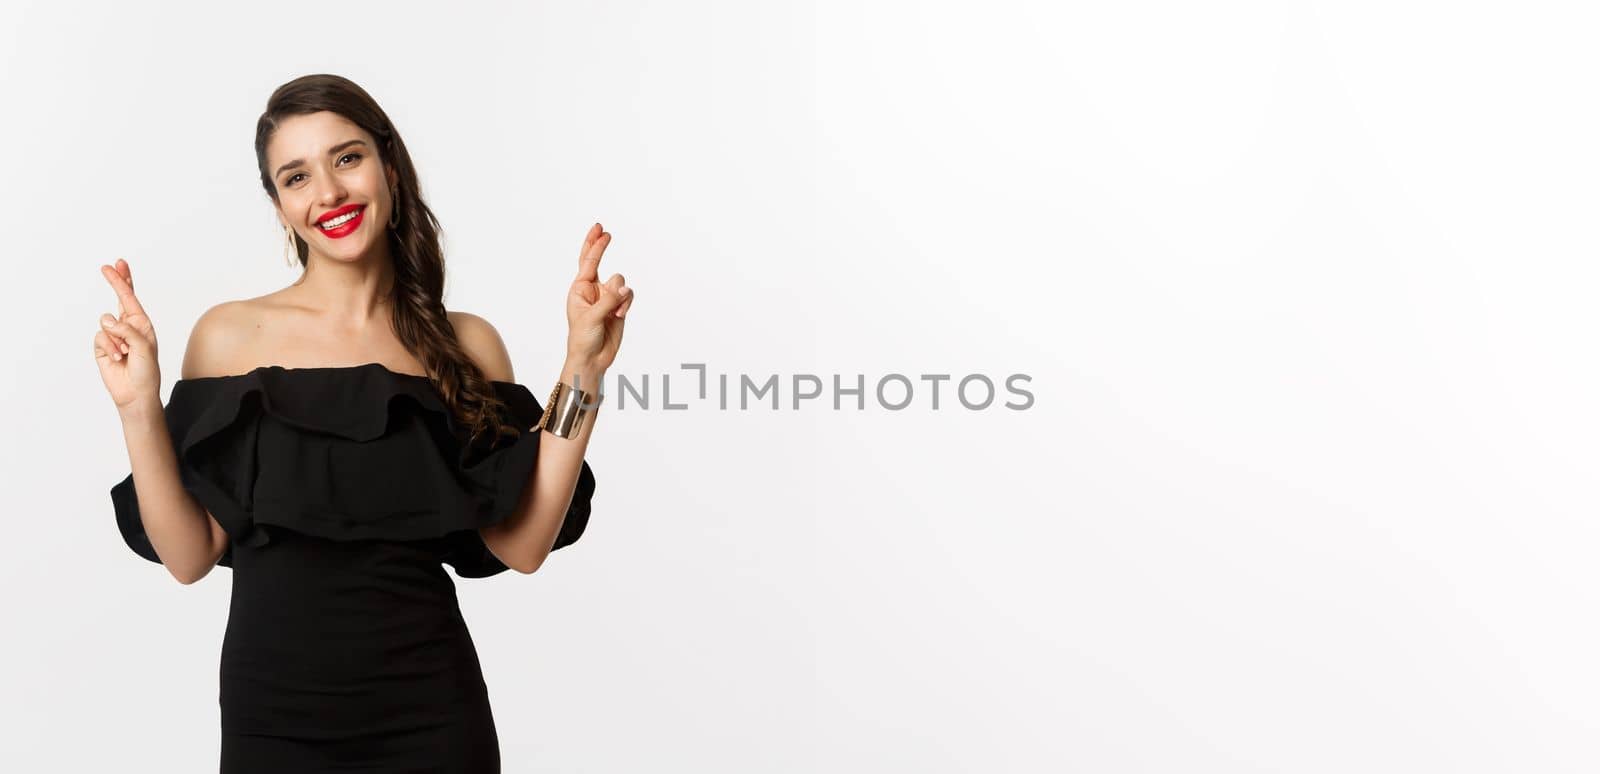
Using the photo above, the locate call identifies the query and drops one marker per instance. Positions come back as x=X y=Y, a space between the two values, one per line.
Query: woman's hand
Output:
x=595 y=310
x=125 y=345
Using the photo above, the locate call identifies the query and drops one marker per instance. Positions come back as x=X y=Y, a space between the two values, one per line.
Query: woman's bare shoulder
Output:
x=220 y=335
x=483 y=344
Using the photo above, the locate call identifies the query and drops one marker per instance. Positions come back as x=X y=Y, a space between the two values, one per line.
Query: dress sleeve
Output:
x=214 y=441
x=506 y=470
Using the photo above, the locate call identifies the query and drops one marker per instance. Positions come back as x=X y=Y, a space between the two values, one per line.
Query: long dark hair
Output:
x=418 y=296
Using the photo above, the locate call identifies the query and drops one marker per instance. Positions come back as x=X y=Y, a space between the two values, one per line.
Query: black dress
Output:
x=343 y=491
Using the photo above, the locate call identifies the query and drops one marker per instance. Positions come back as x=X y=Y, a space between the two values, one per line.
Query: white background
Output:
x=1304 y=289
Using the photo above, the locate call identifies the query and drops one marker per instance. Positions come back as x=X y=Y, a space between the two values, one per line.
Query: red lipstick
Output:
x=348 y=227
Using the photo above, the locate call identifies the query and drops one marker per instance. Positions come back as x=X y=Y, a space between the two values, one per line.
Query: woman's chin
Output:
x=348 y=250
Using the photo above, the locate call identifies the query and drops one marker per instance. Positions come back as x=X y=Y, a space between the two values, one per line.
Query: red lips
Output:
x=346 y=228
x=336 y=213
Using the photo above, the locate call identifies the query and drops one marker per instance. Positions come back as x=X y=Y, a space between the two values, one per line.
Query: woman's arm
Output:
x=180 y=530
x=523 y=541
x=183 y=533
x=595 y=314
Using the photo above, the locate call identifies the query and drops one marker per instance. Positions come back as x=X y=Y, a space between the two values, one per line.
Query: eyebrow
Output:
x=302 y=162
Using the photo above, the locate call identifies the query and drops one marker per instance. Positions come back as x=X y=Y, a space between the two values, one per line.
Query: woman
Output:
x=336 y=442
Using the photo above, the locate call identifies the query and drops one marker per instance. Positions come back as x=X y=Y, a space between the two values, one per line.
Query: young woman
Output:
x=336 y=442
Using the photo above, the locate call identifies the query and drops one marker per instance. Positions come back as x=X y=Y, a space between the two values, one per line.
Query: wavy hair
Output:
x=419 y=315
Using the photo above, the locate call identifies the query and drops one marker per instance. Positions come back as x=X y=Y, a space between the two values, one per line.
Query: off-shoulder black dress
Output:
x=343 y=491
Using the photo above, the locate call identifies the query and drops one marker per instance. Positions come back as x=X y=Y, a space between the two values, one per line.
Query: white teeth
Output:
x=342 y=219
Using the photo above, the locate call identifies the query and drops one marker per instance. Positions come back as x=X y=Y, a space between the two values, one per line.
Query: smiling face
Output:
x=327 y=171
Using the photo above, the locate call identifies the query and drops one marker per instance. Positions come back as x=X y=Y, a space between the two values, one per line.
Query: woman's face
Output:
x=326 y=168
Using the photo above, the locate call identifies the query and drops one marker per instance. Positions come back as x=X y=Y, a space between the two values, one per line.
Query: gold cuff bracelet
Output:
x=564 y=413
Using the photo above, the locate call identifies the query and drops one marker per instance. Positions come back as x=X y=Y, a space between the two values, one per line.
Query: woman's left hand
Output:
x=596 y=310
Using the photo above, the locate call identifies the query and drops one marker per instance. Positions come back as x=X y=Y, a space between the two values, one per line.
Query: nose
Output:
x=330 y=191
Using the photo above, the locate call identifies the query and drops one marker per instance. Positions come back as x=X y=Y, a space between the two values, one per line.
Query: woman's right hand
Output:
x=125 y=346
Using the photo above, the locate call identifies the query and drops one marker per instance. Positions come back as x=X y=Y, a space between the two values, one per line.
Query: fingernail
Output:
x=105 y=322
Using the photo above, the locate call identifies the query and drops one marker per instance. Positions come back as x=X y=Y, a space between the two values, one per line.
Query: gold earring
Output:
x=290 y=253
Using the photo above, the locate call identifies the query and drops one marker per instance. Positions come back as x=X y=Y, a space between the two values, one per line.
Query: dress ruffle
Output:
x=348 y=453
